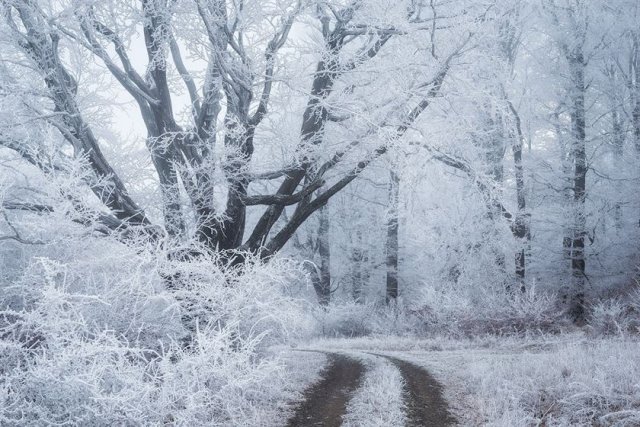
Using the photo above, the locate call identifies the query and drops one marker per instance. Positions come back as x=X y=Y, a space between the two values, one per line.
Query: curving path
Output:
x=325 y=402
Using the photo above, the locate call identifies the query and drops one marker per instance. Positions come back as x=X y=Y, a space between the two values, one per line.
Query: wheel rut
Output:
x=425 y=404
x=325 y=402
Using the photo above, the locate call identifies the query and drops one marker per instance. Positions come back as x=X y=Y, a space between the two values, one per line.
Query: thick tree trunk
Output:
x=566 y=157
x=494 y=157
x=160 y=123
x=169 y=188
x=636 y=120
x=392 y=239
x=239 y=145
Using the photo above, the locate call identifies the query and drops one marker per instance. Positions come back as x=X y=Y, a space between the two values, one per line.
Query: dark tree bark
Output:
x=571 y=45
x=617 y=139
x=360 y=268
x=314 y=119
x=521 y=230
x=491 y=141
x=324 y=252
x=577 y=66
x=392 y=238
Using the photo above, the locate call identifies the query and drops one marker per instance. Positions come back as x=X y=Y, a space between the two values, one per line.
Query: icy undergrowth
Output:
x=91 y=335
x=579 y=383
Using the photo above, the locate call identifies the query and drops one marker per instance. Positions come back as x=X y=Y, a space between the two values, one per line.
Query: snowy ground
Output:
x=563 y=380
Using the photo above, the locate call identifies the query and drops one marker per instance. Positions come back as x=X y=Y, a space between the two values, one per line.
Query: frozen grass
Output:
x=577 y=383
x=378 y=402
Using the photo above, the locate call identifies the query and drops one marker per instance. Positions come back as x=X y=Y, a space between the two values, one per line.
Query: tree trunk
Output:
x=634 y=89
x=359 y=268
x=491 y=142
x=311 y=132
x=618 y=137
x=324 y=252
x=521 y=230
x=169 y=187
x=494 y=157
x=578 y=128
x=392 y=239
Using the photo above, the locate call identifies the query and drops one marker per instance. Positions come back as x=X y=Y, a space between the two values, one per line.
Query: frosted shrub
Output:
x=346 y=319
x=440 y=310
x=470 y=311
x=90 y=335
x=616 y=316
x=351 y=319
x=396 y=319
x=276 y=310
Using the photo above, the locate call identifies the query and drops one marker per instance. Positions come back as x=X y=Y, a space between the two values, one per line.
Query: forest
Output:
x=220 y=212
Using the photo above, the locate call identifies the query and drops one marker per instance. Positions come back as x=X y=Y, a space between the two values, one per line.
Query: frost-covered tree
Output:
x=230 y=57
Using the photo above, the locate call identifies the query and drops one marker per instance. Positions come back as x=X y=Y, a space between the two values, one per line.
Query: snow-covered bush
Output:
x=616 y=316
x=447 y=311
x=91 y=335
x=346 y=319
x=467 y=311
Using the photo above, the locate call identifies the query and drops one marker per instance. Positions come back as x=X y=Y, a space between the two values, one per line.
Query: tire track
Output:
x=325 y=402
x=423 y=396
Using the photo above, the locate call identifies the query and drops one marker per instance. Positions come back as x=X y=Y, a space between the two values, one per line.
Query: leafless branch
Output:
x=282 y=199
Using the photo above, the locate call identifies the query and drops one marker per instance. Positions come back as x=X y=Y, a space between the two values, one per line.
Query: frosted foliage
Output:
x=97 y=340
x=191 y=188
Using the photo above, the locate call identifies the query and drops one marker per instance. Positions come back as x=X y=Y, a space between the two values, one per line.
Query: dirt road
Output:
x=325 y=402
x=423 y=396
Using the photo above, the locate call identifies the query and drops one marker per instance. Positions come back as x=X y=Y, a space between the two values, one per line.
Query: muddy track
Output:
x=423 y=396
x=325 y=402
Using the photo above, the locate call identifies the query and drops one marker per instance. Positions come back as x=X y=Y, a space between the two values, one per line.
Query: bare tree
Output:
x=184 y=155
